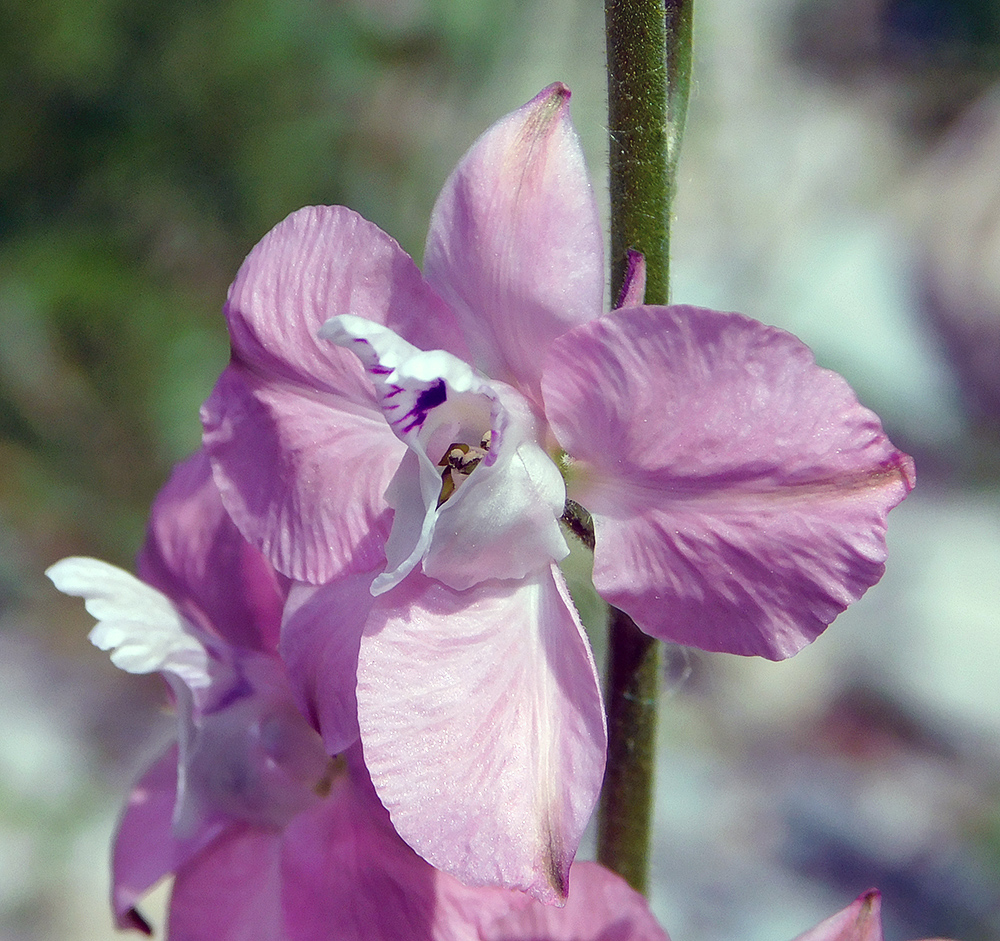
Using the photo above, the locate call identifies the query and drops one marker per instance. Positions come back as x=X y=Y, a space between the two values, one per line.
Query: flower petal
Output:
x=601 y=907
x=483 y=727
x=860 y=921
x=302 y=476
x=320 y=638
x=739 y=492
x=347 y=875
x=633 y=291
x=196 y=555
x=232 y=890
x=289 y=399
x=143 y=630
x=515 y=244
x=145 y=848
x=319 y=262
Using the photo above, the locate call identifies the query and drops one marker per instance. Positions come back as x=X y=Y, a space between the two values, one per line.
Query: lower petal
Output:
x=481 y=717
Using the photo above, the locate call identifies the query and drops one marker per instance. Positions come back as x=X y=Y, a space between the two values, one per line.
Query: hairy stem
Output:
x=649 y=68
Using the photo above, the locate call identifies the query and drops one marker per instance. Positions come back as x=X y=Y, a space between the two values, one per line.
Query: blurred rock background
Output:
x=839 y=178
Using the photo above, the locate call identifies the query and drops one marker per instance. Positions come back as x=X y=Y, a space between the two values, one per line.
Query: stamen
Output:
x=460 y=458
x=447 y=486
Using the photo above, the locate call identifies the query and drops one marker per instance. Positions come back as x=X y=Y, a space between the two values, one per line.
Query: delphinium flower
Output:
x=408 y=442
x=268 y=837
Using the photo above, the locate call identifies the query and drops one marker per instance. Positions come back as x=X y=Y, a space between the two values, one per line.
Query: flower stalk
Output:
x=649 y=71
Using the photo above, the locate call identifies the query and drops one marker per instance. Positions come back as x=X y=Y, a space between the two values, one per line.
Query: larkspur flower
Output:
x=408 y=443
x=268 y=838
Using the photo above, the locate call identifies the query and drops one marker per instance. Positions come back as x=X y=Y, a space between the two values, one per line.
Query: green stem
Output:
x=649 y=69
x=625 y=819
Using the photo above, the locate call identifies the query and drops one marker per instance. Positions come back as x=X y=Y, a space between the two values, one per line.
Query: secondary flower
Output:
x=268 y=838
x=382 y=432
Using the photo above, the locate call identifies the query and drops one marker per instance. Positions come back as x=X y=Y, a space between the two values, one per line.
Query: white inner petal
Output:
x=503 y=522
x=139 y=625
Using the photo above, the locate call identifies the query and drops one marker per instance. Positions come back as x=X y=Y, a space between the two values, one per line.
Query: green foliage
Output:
x=146 y=148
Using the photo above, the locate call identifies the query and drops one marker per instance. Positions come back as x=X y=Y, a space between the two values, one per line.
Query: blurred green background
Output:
x=839 y=179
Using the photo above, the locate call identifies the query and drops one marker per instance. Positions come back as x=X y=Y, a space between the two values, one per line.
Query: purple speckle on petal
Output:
x=431 y=397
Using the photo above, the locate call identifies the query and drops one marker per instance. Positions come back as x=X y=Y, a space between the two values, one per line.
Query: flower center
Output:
x=460 y=460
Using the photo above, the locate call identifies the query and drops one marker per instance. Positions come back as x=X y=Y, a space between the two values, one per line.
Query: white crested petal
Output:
x=504 y=520
x=143 y=630
x=497 y=517
x=412 y=493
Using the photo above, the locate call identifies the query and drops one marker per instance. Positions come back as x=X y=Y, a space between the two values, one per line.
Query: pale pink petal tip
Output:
x=515 y=245
x=739 y=491
x=860 y=921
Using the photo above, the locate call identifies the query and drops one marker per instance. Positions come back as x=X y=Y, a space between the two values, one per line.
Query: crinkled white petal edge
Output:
x=138 y=624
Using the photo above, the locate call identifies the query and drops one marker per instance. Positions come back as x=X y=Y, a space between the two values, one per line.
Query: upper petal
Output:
x=196 y=555
x=483 y=727
x=319 y=262
x=739 y=491
x=288 y=399
x=302 y=475
x=515 y=244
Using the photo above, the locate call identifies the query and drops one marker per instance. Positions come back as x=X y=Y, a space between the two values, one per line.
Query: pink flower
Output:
x=268 y=838
x=408 y=442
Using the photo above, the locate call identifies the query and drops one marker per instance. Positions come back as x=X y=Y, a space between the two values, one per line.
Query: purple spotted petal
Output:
x=515 y=243
x=739 y=492
x=483 y=727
